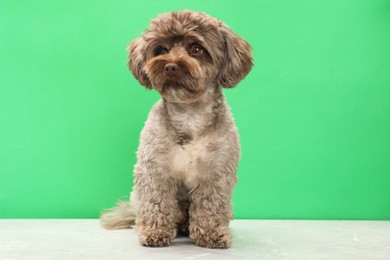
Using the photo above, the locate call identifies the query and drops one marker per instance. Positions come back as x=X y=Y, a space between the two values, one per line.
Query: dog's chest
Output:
x=185 y=159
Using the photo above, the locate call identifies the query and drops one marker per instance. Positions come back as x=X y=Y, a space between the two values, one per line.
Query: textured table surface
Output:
x=252 y=239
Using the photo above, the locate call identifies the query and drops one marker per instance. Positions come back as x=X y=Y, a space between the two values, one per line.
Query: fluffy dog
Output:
x=189 y=147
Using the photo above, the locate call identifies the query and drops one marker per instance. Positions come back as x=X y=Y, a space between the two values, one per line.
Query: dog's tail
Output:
x=121 y=216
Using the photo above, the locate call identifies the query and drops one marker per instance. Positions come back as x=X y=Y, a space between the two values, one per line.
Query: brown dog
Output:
x=189 y=147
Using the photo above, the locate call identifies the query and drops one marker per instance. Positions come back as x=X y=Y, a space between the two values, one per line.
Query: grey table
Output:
x=252 y=239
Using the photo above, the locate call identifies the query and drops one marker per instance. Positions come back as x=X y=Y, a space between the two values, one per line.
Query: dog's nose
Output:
x=170 y=69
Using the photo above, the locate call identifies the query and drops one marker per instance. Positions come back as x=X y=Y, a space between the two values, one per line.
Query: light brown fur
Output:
x=189 y=148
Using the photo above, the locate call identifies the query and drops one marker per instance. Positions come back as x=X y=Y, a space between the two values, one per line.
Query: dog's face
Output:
x=183 y=53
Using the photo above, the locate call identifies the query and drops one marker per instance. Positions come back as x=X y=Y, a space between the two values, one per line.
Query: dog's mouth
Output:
x=171 y=86
x=179 y=84
x=179 y=92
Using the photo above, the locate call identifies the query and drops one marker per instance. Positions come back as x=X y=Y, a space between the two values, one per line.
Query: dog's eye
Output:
x=196 y=50
x=160 y=51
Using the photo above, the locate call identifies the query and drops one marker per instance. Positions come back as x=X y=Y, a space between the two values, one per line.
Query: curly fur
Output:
x=189 y=148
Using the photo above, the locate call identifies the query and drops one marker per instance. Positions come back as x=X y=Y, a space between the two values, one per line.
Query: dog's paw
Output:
x=156 y=238
x=220 y=238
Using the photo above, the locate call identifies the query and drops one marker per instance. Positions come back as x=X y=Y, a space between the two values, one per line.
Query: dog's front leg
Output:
x=211 y=210
x=155 y=221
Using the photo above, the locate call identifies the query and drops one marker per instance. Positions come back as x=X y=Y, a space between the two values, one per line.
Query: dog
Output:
x=189 y=148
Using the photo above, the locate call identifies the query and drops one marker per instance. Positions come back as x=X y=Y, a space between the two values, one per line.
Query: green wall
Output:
x=313 y=115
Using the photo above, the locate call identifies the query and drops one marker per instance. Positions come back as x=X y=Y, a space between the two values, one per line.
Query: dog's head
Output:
x=183 y=53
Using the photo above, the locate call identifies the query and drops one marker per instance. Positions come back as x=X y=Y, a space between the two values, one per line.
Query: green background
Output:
x=313 y=115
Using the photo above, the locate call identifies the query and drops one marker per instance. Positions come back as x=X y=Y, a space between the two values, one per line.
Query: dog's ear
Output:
x=137 y=61
x=237 y=61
